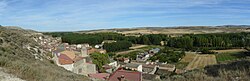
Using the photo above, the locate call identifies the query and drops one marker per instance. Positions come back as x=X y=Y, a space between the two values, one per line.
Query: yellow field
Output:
x=200 y=61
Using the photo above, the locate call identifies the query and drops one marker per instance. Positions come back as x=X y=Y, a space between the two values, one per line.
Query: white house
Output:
x=135 y=67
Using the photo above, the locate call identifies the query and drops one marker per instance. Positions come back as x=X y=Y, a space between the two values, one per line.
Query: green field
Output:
x=229 y=56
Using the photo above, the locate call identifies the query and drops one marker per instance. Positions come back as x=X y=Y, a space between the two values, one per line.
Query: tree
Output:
x=117 y=46
x=100 y=60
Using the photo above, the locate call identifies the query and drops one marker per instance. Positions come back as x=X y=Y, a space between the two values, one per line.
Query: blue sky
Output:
x=73 y=15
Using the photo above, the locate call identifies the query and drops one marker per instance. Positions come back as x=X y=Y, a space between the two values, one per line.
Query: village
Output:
x=76 y=58
x=138 y=63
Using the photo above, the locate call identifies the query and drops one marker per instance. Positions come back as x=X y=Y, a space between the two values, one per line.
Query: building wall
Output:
x=84 y=52
x=83 y=68
x=139 y=68
x=67 y=66
x=114 y=64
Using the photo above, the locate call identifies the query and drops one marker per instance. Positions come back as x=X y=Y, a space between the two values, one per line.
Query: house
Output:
x=77 y=64
x=111 y=67
x=99 y=76
x=113 y=63
x=134 y=67
x=149 y=69
x=143 y=56
x=123 y=75
x=83 y=67
x=125 y=60
x=65 y=59
x=154 y=51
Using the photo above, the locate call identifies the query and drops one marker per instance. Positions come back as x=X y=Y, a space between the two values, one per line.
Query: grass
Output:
x=229 y=56
x=151 y=46
x=181 y=65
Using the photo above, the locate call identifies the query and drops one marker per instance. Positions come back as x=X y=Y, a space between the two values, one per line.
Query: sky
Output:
x=75 y=15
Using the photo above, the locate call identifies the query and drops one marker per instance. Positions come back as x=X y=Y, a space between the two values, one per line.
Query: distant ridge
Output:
x=176 y=30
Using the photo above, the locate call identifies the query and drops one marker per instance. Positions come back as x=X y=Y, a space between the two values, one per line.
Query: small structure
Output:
x=150 y=69
x=154 y=51
x=111 y=67
x=143 y=56
x=134 y=67
x=113 y=63
x=98 y=46
x=123 y=75
x=168 y=67
x=122 y=59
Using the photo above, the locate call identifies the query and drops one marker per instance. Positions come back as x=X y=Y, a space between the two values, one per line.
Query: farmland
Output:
x=201 y=61
x=188 y=57
x=231 y=54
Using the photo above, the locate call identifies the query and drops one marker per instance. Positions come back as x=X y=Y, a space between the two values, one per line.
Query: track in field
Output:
x=200 y=61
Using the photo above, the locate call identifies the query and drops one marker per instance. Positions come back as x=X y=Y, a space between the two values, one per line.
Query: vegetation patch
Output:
x=181 y=65
x=100 y=60
x=230 y=56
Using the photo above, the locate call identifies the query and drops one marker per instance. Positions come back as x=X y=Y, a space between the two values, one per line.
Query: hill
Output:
x=21 y=56
x=177 y=30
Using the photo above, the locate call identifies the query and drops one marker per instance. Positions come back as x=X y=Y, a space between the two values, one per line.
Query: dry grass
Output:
x=133 y=49
x=229 y=50
x=21 y=62
x=188 y=57
x=138 y=46
x=200 y=61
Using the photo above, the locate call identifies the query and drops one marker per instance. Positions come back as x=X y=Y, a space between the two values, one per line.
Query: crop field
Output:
x=200 y=61
x=225 y=57
x=229 y=56
x=186 y=60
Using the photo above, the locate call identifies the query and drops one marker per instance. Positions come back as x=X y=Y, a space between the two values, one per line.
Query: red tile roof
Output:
x=78 y=58
x=128 y=75
x=64 y=59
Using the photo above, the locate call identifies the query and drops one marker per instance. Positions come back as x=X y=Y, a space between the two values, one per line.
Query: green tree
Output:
x=100 y=60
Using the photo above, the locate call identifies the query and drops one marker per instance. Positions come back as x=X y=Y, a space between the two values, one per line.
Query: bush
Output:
x=206 y=51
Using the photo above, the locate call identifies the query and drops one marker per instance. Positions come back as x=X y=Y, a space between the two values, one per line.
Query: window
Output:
x=80 y=70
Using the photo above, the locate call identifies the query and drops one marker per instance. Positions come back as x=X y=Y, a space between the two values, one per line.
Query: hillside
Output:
x=177 y=30
x=21 y=56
